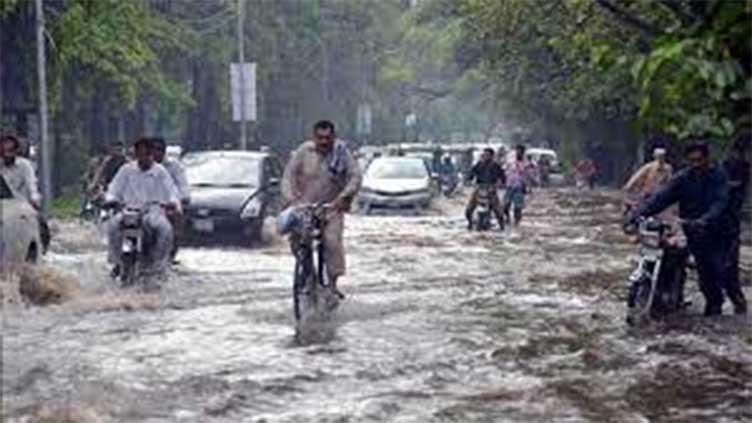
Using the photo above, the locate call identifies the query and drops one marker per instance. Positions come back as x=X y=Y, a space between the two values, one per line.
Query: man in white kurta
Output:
x=145 y=185
x=323 y=171
x=18 y=172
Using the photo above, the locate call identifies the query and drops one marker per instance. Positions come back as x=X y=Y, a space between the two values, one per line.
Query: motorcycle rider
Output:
x=544 y=169
x=115 y=159
x=19 y=173
x=585 y=171
x=738 y=169
x=486 y=172
x=647 y=179
x=142 y=184
x=323 y=170
x=448 y=173
x=177 y=172
x=702 y=193
x=518 y=182
x=651 y=175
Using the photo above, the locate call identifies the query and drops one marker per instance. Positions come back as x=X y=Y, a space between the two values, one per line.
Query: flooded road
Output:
x=440 y=325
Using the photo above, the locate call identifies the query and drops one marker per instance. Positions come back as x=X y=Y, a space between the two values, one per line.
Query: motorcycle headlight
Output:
x=651 y=240
x=251 y=210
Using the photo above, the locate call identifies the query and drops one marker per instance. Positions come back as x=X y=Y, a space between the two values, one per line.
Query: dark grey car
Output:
x=231 y=194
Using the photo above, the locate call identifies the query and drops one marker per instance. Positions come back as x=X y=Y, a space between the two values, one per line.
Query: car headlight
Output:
x=251 y=210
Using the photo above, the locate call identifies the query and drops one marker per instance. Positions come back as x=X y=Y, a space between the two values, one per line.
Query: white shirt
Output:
x=177 y=171
x=21 y=179
x=135 y=187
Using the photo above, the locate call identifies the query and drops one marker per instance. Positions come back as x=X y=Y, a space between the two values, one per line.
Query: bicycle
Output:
x=306 y=224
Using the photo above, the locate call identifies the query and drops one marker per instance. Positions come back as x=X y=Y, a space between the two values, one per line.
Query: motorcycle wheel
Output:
x=484 y=222
x=128 y=270
x=637 y=302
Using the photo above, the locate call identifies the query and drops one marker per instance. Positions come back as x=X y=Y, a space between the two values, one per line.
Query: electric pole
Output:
x=241 y=60
x=44 y=142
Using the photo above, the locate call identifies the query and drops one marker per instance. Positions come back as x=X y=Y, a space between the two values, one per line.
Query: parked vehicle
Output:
x=19 y=229
x=534 y=155
x=174 y=152
x=232 y=192
x=656 y=286
x=397 y=182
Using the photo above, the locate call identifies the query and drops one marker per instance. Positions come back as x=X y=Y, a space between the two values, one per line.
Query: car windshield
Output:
x=222 y=171
x=397 y=169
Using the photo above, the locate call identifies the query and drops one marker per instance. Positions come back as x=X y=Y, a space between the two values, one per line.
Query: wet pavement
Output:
x=440 y=325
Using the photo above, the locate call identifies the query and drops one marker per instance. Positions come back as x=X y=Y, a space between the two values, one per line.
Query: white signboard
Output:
x=411 y=120
x=243 y=91
x=365 y=119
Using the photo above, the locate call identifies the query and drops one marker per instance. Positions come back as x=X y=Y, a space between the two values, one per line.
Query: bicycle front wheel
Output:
x=298 y=287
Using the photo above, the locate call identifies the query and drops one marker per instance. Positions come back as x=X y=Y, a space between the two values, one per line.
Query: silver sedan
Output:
x=19 y=227
x=397 y=182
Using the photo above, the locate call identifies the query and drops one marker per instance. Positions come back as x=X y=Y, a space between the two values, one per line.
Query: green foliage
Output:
x=68 y=205
x=7 y=6
x=118 y=43
x=673 y=66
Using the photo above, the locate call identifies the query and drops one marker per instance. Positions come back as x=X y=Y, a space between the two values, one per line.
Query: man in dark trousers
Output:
x=702 y=192
x=486 y=172
x=738 y=169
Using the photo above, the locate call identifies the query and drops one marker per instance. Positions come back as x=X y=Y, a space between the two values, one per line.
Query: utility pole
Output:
x=44 y=142
x=241 y=60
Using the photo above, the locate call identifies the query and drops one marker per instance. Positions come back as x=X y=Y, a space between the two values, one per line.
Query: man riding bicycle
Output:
x=323 y=170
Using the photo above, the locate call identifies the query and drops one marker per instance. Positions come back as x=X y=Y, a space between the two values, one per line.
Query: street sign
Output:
x=243 y=91
x=411 y=120
x=365 y=119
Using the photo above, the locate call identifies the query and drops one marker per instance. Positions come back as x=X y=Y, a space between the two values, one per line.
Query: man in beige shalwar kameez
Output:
x=646 y=181
x=322 y=170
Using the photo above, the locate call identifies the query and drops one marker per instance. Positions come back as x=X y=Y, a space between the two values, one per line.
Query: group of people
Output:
x=710 y=197
x=322 y=170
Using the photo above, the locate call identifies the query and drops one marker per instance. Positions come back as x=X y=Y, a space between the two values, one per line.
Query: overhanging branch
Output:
x=628 y=18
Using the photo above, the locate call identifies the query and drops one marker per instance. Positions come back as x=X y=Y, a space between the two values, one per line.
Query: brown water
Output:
x=440 y=325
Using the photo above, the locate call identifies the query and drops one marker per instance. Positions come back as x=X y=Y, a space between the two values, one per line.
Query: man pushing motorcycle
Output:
x=702 y=192
x=147 y=186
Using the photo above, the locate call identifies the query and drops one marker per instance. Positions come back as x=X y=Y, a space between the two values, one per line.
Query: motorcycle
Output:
x=482 y=215
x=656 y=286
x=448 y=184
x=136 y=244
x=132 y=250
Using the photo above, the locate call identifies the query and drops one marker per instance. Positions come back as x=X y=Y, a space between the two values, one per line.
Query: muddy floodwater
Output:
x=440 y=325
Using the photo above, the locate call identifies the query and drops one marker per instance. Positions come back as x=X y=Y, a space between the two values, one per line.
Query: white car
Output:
x=19 y=227
x=396 y=182
x=535 y=154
